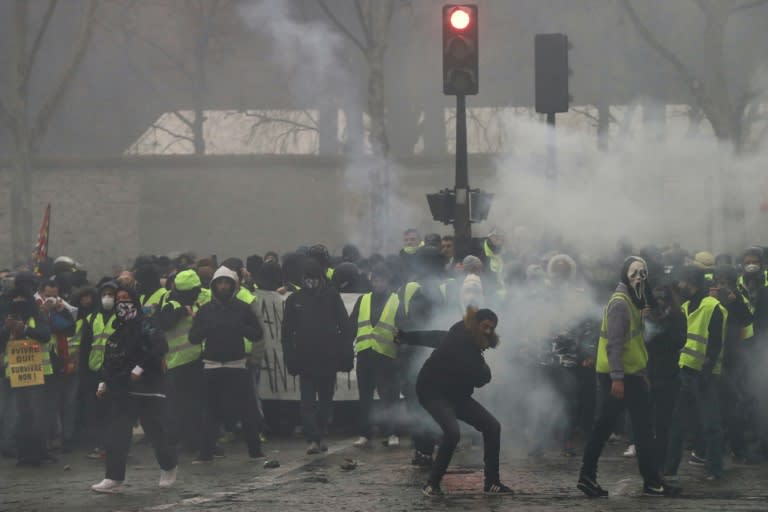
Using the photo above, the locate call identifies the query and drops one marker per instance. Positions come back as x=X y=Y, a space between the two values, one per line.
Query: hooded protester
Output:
x=97 y=328
x=223 y=325
x=700 y=362
x=317 y=343
x=621 y=366
x=134 y=383
x=293 y=272
x=244 y=280
x=444 y=387
x=348 y=279
x=24 y=321
x=151 y=292
x=270 y=276
x=373 y=319
x=351 y=254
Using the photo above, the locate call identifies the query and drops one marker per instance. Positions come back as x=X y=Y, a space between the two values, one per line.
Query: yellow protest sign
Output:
x=25 y=363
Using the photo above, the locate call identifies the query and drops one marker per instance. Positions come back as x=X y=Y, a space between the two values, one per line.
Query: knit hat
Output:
x=704 y=260
x=187 y=280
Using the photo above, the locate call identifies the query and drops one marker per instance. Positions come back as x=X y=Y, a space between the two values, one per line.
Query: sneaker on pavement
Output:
x=661 y=490
x=590 y=487
x=168 y=478
x=313 y=449
x=432 y=491
x=695 y=460
x=108 y=486
x=202 y=461
x=614 y=438
x=392 y=441
x=497 y=488
x=97 y=454
x=631 y=451
x=361 y=442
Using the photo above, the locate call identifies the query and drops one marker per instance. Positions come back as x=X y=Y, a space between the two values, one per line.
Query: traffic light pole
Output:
x=551 y=148
x=461 y=224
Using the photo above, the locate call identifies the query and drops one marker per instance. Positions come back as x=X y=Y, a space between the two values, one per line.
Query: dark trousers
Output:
x=447 y=414
x=125 y=410
x=316 y=401
x=376 y=372
x=663 y=399
x=700 y=406
x=33 y=422
x=566 y=382
x=229 y=398
x=97 y=411
x=422 y=428
x=185 y=401
x=637 y=401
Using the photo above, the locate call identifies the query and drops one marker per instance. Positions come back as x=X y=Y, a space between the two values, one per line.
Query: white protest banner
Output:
x=275 y=382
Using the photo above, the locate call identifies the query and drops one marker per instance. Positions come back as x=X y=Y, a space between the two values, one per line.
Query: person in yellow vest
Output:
x=24 y=321
x=701 y=363
x=319 y=253
x=621 y=368
x=492 y=257
x=151 y=293
x=96 y=330
x=185 y=369
x=412 y=242
x=373 y=320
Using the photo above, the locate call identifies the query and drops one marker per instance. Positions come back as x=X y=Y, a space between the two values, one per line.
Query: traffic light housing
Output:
x=552 y=73
x=460 y=50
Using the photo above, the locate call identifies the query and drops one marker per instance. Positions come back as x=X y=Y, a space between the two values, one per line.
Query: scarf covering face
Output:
x=126 y=311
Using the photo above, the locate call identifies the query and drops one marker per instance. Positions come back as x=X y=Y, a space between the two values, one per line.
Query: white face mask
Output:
x=637 y=273
x=107 y=302
x=752 y=268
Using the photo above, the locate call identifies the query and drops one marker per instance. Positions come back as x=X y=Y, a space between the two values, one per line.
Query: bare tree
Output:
x=729 y=112
x=27 y=127
x=374 y=18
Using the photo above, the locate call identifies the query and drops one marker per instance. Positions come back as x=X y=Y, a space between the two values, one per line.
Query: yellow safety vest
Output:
x=73 y=343
x=495 y=261
x=408 y=293
x=101 y=332
x=180 y=350
x=694 y=353
x=329 y=273
x=44 y=347
x=748 y=331
x=635 y=356
x=380 y=338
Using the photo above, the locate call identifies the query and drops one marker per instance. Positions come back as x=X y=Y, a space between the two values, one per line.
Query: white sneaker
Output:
x=108 y=486
x=393 y=441
x=361 y=441
x=631 y=451
x=168 y=478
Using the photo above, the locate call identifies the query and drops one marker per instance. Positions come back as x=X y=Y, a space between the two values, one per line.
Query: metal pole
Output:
x=461 y=224
x=551 y=148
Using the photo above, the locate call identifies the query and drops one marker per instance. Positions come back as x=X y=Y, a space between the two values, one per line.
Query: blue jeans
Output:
x=697 y=403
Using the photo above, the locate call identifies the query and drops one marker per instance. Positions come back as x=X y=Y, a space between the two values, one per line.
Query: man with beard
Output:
x=621 y=366
x=444 y=387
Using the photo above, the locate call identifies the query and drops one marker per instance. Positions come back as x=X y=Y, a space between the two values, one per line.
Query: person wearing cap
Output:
x=133 y=382
x=185 y=370
x=317 y=343
x=444 y=387
x=222 y=325
x=706 y=261
x=701 y=362
x=621 y=366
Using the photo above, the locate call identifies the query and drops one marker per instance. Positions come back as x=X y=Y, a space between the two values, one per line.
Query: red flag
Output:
x=40 y=254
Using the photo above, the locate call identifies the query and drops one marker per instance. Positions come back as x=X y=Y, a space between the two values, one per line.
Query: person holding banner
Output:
x=24 y=339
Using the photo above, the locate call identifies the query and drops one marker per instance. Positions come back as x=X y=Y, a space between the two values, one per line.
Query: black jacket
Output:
x=317 y=337
x=135 y=343
x=455 y=368
x=667 y=338
x=222 y=326
x=40 y=333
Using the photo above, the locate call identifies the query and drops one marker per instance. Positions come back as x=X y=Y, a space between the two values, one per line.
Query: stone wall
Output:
x=106 y=212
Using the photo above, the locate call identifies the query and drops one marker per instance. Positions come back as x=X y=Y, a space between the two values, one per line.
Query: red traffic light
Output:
x=460 y=19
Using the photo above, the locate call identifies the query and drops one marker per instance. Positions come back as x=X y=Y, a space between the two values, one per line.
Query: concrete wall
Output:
x=105 y=213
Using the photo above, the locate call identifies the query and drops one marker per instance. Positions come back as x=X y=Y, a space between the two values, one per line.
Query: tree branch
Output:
x=49 y=107
x=690 y=80
x=339 y=25
x=748 y=5
x=183 y=118
x=39 y=37
x=366 y=28
x=172 y=133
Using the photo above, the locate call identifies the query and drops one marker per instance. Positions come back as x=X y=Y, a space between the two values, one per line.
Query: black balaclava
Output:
x=147 y=279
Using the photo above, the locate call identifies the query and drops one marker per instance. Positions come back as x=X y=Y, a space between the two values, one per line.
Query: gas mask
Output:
x=637 y=274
